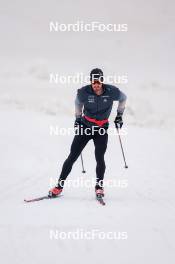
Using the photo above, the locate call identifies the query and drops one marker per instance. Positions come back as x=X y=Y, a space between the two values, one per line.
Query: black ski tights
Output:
x=78 y=144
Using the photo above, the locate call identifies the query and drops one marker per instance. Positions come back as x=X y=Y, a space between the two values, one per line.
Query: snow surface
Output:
x=145 y=209
x=30 y=156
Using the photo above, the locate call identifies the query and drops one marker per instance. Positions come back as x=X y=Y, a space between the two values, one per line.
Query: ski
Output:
x=100 y=200
x=40 y=198
x=46 y=197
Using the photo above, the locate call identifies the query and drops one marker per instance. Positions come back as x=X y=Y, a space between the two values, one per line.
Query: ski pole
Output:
x=126 y=166
x=83 y=170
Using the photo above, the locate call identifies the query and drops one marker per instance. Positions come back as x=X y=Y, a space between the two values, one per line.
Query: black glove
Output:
x=118 y=121
x=77 y=122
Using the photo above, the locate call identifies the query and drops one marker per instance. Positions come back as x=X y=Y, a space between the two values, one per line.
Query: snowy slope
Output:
x=31 y=158
x=29 y=53
x=145 y=209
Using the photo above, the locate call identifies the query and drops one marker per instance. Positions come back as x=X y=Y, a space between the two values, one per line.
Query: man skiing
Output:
x=95 y=102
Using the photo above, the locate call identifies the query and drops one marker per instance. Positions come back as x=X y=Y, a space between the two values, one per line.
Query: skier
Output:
x=95 y=102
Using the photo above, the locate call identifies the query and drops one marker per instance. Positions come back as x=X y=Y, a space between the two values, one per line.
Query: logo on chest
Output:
x=105 y=98
x=91 y=99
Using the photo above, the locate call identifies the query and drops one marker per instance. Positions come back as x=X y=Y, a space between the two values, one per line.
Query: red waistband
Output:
x=97 y=122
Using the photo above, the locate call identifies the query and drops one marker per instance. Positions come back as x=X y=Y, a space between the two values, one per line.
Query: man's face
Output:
x=97 y=87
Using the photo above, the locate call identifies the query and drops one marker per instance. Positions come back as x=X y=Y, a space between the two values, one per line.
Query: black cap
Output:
x=96 y=75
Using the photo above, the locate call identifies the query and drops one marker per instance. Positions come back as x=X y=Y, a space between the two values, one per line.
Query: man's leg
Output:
x=78 y=144
x=100 y=142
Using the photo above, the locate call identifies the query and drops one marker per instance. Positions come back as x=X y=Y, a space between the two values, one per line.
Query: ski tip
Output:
x=26 y=201
x=41 y=198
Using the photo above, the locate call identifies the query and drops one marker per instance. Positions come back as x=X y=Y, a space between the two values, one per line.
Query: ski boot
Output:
x=54 y=192
x=99 y=195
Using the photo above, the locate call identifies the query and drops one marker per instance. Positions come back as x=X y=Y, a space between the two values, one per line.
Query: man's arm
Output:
x=78 y=107
x=122 y=102
x=121 y=97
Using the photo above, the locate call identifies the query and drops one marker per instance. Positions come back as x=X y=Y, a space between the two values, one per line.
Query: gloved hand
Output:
x=77 y=122
x=118 y=121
